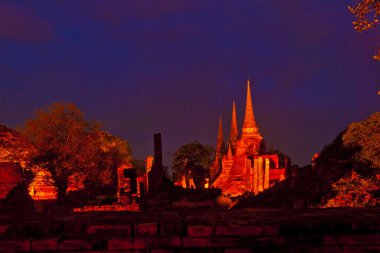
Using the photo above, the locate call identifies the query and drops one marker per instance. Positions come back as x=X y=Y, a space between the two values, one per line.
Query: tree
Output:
x=65 y=144
x=13 y=146
x=113 y=152
x=365 y=137
x=366 y=13
x=139 y=165
x=193 y=157
x=355 y=191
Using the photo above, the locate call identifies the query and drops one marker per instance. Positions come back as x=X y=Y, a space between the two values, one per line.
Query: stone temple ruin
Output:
x=132 y=187
x=10 y=177
x=245 y=166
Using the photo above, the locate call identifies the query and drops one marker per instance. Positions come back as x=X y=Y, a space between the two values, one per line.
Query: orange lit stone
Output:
x=245 y=167
x=42 y=186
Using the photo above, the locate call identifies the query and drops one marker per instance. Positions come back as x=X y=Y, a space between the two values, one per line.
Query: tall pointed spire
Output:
x=249 y=126
x=234 y=129
x=219 y=143
x=229 y=152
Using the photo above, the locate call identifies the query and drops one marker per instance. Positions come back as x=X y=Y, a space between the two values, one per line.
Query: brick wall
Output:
x=198 y=230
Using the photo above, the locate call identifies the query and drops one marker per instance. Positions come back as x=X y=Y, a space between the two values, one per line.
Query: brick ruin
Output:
x=41 y=187
x=130 y=189
x=10 y=177
x=131 y=186
x=245 y=166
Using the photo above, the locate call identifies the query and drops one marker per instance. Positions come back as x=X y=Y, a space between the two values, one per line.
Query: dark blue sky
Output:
x=142 y=67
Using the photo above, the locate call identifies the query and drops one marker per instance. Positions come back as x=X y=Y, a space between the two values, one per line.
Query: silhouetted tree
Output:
x=139 y=165
x=193 y=157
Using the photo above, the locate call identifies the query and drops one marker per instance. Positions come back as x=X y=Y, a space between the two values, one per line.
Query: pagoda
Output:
x=245 y=166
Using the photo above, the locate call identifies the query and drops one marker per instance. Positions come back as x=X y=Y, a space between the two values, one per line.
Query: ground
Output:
x=192 y=230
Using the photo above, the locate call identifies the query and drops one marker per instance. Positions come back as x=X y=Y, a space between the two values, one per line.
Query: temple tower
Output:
x=250 y=129
x=216 y=167
x=245 y=165
x=219 y=142
x=234 y=129
x=229 y=152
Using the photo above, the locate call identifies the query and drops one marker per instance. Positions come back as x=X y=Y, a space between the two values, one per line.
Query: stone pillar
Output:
x=251 y=177
x=156 y=175
x=266 y=174
x=255 y=176
x=260 y=174
x=248 y=173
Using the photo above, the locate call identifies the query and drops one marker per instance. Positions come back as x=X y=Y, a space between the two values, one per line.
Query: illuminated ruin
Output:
x=42 y=186
x=10 y=177
x=131 y=186
x=245 y=166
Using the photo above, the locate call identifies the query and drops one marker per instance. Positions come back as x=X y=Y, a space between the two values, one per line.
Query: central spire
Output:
x=234 y=129
x=219 y=143
x=249 y=126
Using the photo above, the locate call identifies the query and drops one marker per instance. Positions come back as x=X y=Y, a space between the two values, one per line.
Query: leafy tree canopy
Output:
x=366 y=13
x=365 y=136
x=65 y=143
x=355 y=191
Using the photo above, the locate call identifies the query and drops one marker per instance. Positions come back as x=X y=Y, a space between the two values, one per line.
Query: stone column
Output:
x=260 y=174
x=266 y=174
x=156 y=175
x=247 y=175
x=250 y=175
x=255 y=176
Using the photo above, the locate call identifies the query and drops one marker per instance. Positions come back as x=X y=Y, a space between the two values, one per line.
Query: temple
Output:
x=245 y=166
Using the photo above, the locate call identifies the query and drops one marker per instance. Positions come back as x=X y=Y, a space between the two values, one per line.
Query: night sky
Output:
x=142 y=67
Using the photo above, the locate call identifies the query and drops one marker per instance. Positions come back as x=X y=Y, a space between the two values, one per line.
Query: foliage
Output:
x=336 y=155
x=139 y=165
x=355 y=191
x=113 y=152
x=355 y=148
x=366 y=13
x=193 y=157
x=13 y=147
x=365 y=136
x=65 y=144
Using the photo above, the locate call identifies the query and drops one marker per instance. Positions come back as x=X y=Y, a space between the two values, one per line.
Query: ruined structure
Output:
x=42 y=187
x=245 y=166
x=10 y=177
x=131 y=186
x=156 y=174
x=13 y=158
x=130 y=189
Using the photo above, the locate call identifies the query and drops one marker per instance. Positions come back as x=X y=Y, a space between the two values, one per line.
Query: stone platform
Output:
x=193 y=230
